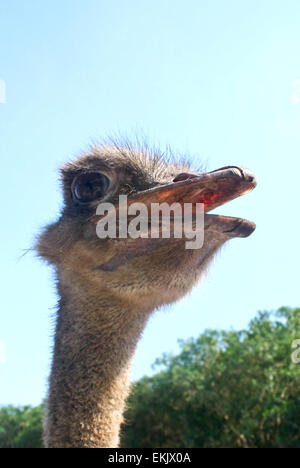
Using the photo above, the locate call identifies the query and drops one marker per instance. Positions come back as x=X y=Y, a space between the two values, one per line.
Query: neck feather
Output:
x=96 y=337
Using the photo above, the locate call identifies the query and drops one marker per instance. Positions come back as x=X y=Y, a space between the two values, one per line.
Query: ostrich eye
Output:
x=89 y=187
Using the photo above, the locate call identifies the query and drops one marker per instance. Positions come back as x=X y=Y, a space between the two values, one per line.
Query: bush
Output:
x=224 y=389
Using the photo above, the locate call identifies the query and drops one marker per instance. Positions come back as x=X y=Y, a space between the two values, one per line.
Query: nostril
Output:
x=184 y=176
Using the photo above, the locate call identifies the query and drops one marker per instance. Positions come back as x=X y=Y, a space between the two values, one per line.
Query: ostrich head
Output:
x=156 y=271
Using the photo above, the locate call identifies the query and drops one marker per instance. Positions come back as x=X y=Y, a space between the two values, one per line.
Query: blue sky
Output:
x=217 y=79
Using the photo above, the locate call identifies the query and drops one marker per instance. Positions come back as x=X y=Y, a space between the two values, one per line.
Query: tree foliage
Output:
x=21 y=427
x=224 y=389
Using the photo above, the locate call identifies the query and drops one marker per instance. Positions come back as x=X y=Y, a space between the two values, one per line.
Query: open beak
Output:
x=213 y=189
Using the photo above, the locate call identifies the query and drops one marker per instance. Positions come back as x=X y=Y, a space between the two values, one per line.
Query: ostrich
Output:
x=108 y=288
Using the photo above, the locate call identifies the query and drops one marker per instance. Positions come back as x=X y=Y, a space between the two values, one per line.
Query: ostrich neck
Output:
x=96 y=336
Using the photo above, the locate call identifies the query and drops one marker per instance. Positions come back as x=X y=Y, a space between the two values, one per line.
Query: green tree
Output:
x=21 y=427
x=224 y=389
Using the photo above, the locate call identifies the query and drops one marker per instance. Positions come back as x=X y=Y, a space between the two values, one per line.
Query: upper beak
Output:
x=213 y=188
